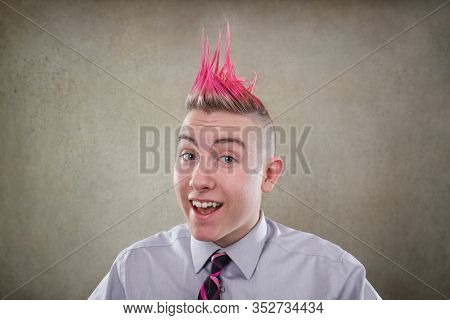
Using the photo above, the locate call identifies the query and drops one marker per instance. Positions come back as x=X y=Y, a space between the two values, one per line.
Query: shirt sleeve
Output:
x=110 y=288
x=356 y=286
x=369 y=292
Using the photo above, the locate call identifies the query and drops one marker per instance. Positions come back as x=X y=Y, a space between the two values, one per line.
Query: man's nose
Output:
x=202 y=177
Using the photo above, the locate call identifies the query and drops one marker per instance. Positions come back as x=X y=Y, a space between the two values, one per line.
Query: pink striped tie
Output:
x=210 y=289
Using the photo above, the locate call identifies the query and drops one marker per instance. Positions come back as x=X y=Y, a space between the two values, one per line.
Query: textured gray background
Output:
x=69 y=145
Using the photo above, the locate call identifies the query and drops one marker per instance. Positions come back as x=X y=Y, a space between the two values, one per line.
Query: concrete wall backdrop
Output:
x=79 y=78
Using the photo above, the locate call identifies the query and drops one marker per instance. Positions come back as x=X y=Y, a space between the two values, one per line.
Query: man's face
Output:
x=219 y=166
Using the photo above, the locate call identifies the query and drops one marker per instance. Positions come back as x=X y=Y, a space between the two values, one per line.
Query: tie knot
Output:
x=219 y=261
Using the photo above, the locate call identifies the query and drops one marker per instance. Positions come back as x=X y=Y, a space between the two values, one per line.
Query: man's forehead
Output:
x=209 y=132
x=217 y=118
x=190 y=127
x=208 y=127
x=217 y=121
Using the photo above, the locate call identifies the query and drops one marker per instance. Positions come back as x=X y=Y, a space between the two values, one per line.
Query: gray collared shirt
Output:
x=271 y=262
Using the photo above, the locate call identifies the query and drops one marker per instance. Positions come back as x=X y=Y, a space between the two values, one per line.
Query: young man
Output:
x=229 y=249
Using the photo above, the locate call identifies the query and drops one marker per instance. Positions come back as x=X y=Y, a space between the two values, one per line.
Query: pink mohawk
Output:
x=222 y=90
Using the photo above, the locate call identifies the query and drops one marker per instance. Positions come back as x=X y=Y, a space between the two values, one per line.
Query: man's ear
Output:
x=272 y=173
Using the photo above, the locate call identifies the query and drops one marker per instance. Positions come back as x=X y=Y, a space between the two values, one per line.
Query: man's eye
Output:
x=188 y=156
x=227 y=159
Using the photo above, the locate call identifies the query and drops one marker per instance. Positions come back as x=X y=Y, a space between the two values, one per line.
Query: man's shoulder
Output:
x=164 y=239
x=339 y=274
x=306 y=244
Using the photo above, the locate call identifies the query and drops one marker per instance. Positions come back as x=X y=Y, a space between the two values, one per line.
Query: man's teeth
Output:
x=199 y=204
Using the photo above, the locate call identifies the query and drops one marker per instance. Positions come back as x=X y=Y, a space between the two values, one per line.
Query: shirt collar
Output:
x=245 y=253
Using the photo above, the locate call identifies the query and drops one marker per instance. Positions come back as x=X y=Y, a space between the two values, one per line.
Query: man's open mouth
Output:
x=205 y=207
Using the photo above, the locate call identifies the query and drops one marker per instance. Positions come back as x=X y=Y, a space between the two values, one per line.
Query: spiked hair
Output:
x=222 y=90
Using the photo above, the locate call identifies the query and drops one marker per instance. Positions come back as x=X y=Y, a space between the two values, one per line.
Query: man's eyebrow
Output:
x=217 y=141
x=230 y=140
x=185 y=137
